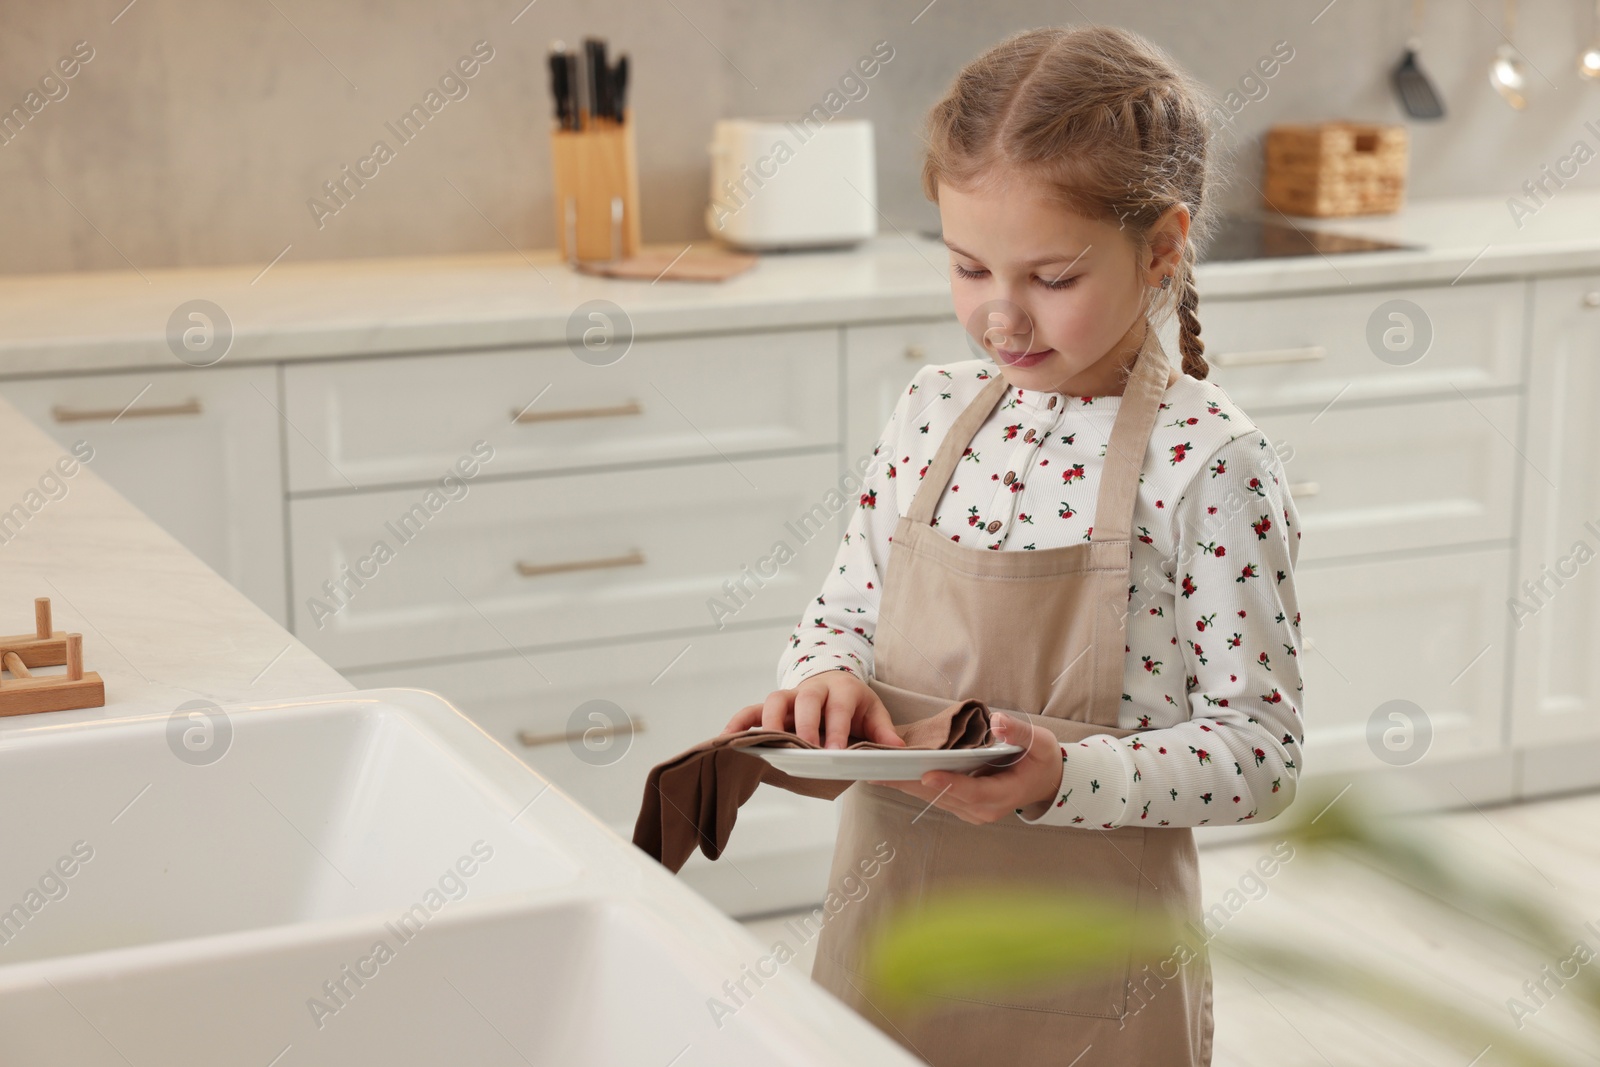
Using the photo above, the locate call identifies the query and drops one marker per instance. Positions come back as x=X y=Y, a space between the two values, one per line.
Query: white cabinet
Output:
x=1312 y=350
x=880 y=361
x=1553 y=610
x=196 y=450
x=1425 y=630
x=366 y=423
x=595 y=720
x=1383 y=477
x=382 y=578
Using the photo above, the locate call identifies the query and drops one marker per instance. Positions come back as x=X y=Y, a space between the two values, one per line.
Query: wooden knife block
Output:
x=596 y=191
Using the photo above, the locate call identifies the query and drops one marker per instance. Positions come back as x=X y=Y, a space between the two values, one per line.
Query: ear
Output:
x=1167 y=240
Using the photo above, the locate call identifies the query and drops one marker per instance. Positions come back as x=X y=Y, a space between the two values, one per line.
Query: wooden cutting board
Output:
x=674 y=264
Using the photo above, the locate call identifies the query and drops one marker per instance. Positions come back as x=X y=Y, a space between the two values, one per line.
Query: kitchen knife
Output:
x=595 y=52
x=574 y=84
x=619 y=86
x=558 y=84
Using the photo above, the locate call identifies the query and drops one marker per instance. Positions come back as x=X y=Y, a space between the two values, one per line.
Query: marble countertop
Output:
x=160 y=627
x=84 y=322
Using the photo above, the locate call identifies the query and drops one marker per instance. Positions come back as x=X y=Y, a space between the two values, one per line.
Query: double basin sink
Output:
x=361 y=879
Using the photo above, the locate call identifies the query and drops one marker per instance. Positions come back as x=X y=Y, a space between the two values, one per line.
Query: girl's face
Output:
x=1055 y=299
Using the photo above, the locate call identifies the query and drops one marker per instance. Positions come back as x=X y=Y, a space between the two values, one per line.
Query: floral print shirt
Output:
x=1212 y=681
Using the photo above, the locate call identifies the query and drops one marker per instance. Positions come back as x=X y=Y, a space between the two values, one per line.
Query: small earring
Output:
x=1166 y=281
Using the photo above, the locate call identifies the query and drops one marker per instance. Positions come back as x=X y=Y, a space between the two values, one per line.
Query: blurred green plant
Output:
x=970 y=941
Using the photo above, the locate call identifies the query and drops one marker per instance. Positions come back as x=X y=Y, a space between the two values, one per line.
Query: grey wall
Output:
x=199 y=130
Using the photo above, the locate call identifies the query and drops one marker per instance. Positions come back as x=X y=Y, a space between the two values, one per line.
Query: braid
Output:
x=1189 y=343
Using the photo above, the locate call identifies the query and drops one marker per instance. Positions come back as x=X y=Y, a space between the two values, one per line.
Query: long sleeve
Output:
x=835 y=631
x=1231 y=598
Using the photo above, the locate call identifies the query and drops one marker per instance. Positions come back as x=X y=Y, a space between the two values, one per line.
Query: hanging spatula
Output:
x=1411 y=85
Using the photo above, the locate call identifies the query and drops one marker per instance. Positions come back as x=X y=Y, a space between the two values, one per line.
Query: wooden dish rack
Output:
x=22 y=692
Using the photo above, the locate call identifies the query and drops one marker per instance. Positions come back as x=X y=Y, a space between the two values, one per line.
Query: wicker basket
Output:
x=1335 y=168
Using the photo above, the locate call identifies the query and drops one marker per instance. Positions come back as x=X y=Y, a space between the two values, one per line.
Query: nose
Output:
x=1008 y=325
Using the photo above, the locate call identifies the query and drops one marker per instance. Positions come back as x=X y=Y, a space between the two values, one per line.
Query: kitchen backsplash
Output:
x=169 y=144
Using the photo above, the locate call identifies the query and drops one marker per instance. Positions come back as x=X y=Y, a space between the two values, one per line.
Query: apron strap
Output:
x=951 y=449
x=1151 y=375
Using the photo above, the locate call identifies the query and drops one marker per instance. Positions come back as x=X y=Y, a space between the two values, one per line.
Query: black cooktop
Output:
x=1241 y=237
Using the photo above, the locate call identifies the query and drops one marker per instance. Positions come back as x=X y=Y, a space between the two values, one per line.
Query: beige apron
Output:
x=1041 y=632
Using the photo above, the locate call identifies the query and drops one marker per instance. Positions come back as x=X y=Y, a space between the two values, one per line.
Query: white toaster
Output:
x=792 y=183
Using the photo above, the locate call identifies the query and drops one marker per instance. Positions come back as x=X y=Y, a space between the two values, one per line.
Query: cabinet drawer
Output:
x=1394 y=476
x=407 y=419
x=1429 y=630
x=561 y=559
x=195 y=450
x=665 y=696
x=1307 y=350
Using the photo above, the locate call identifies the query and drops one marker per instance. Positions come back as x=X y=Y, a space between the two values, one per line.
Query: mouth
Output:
x=1022 y=359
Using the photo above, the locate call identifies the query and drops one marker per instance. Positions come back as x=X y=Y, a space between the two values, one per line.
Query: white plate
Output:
x=887 y=765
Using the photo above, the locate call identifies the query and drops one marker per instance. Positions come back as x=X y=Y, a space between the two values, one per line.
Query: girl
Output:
x=1073 y=531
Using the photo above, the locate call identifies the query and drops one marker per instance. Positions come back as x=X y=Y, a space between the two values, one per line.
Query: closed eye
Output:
x=1064 y=283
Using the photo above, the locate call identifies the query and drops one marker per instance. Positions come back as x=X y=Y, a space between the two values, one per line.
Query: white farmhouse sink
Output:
x=361 y=879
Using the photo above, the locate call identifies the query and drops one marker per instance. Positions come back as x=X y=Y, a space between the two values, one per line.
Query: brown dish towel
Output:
x=694 y=797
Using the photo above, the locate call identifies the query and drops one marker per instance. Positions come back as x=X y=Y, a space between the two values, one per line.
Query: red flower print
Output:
x=1202 y=755
x=1012 y=431
x=869 y=499
x=1151 y=665
x=1205 y=620
x=1261 y=756
x=1220 y=467
x=1073 y=473
x=1144 y=535
x=1249 y=571
x=1261 y=526
x=1188 y=585
x=1222 y=550
x=1179 y=452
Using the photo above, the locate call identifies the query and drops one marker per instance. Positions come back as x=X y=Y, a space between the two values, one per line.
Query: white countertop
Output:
x=64 y=323
x=159 y=626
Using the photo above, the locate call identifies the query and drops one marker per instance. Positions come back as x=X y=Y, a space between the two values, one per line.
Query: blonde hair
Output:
x=1111 y=126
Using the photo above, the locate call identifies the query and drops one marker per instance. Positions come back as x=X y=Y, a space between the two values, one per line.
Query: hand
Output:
x=839 y=699
x=1030 y=783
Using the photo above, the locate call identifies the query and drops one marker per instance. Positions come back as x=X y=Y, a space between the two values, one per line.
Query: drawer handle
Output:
x=630 y=407
x=916 y=353
x=1304 y=489
x=1307 y=354
x=1591 y=299
x=532 y=740
x=61 y=414
x=634 y=558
